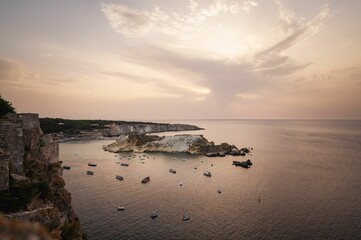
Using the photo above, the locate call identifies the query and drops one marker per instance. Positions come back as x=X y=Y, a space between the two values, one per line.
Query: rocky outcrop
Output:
x=193 y=144
x=31 y=186
x=142 y=128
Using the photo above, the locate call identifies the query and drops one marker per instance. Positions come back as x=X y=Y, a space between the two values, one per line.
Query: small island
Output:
x=186 y=143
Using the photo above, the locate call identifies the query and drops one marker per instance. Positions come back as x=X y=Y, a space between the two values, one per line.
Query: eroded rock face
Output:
x=31 y=186
x=193 y=144
x=142 y=128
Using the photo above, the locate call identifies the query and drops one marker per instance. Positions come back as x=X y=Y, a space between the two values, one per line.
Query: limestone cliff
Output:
x=31 y=186
x=193 y=144
x=142 y=128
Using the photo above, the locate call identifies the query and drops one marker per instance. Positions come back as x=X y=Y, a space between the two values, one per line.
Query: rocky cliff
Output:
x=142 y=128
x=193 y=144
x=31 y=187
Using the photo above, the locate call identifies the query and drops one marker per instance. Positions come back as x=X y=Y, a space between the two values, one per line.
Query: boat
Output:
x=120 y=208
x=89 y=172
x=185 y=217
x=219 y=190
x=66 y=167
x=120 y=178
x=172 y=171
x=145 y=180
x=153 y=215
x=92 y=164
x=207 y=174
x=124 y=164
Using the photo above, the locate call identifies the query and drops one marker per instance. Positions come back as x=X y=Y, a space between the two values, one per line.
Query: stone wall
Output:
x=22 y=140
x=12 y=149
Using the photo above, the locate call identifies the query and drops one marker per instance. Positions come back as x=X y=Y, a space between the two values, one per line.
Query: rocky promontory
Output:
x=192 y=144
x=32 y=191
x=142 y=128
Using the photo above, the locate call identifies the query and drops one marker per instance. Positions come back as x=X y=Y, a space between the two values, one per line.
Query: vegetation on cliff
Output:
x=5 y=107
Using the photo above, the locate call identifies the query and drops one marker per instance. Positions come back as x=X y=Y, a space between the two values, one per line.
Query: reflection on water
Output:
x=306 y=173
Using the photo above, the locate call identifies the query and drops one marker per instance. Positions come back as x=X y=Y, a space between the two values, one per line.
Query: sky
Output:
x=182 y=59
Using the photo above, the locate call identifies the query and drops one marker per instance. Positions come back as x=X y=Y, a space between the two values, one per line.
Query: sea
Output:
x=305 y=183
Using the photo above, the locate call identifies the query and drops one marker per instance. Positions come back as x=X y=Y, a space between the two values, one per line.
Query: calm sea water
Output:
x=306 y=173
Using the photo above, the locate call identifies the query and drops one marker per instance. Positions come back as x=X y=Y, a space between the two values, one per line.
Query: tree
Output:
x=5 y=107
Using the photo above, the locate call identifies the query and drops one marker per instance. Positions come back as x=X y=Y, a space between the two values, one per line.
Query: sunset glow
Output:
x=184 y=59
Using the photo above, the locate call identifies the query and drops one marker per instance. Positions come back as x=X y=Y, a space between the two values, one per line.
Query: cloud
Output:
x=10 y=70
x=296 y=28
x=215 y=80
x=133 y=22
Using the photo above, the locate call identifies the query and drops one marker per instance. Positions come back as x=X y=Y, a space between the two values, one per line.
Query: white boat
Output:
x=185 y=217
x=120 y=208
x=153 y=215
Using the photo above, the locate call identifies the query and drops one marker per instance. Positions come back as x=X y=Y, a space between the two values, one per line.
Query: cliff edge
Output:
x=32 y=190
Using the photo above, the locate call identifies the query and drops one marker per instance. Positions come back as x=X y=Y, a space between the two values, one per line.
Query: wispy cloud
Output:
x=10 y=70
x=296 y=28
x=133 y=22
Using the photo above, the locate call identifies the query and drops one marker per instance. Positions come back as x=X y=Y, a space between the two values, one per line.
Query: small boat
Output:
x=219 y=190
x=92 y=164
x=66 y=167
x=207 y=174
x=89 y=172
x=153 y=215
x=120 y=178
x=172 y=171
x=124 y=164
x=185 y=218
x=120 y=208
x=145 y=180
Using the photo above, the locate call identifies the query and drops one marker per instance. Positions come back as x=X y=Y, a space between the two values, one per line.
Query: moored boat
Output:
x=120 y=178
x=153 y=215
x=124 y=164
x=89 y=172
x=207 y=174
x=185 y=217
x=92 y=164
x=145 y=180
